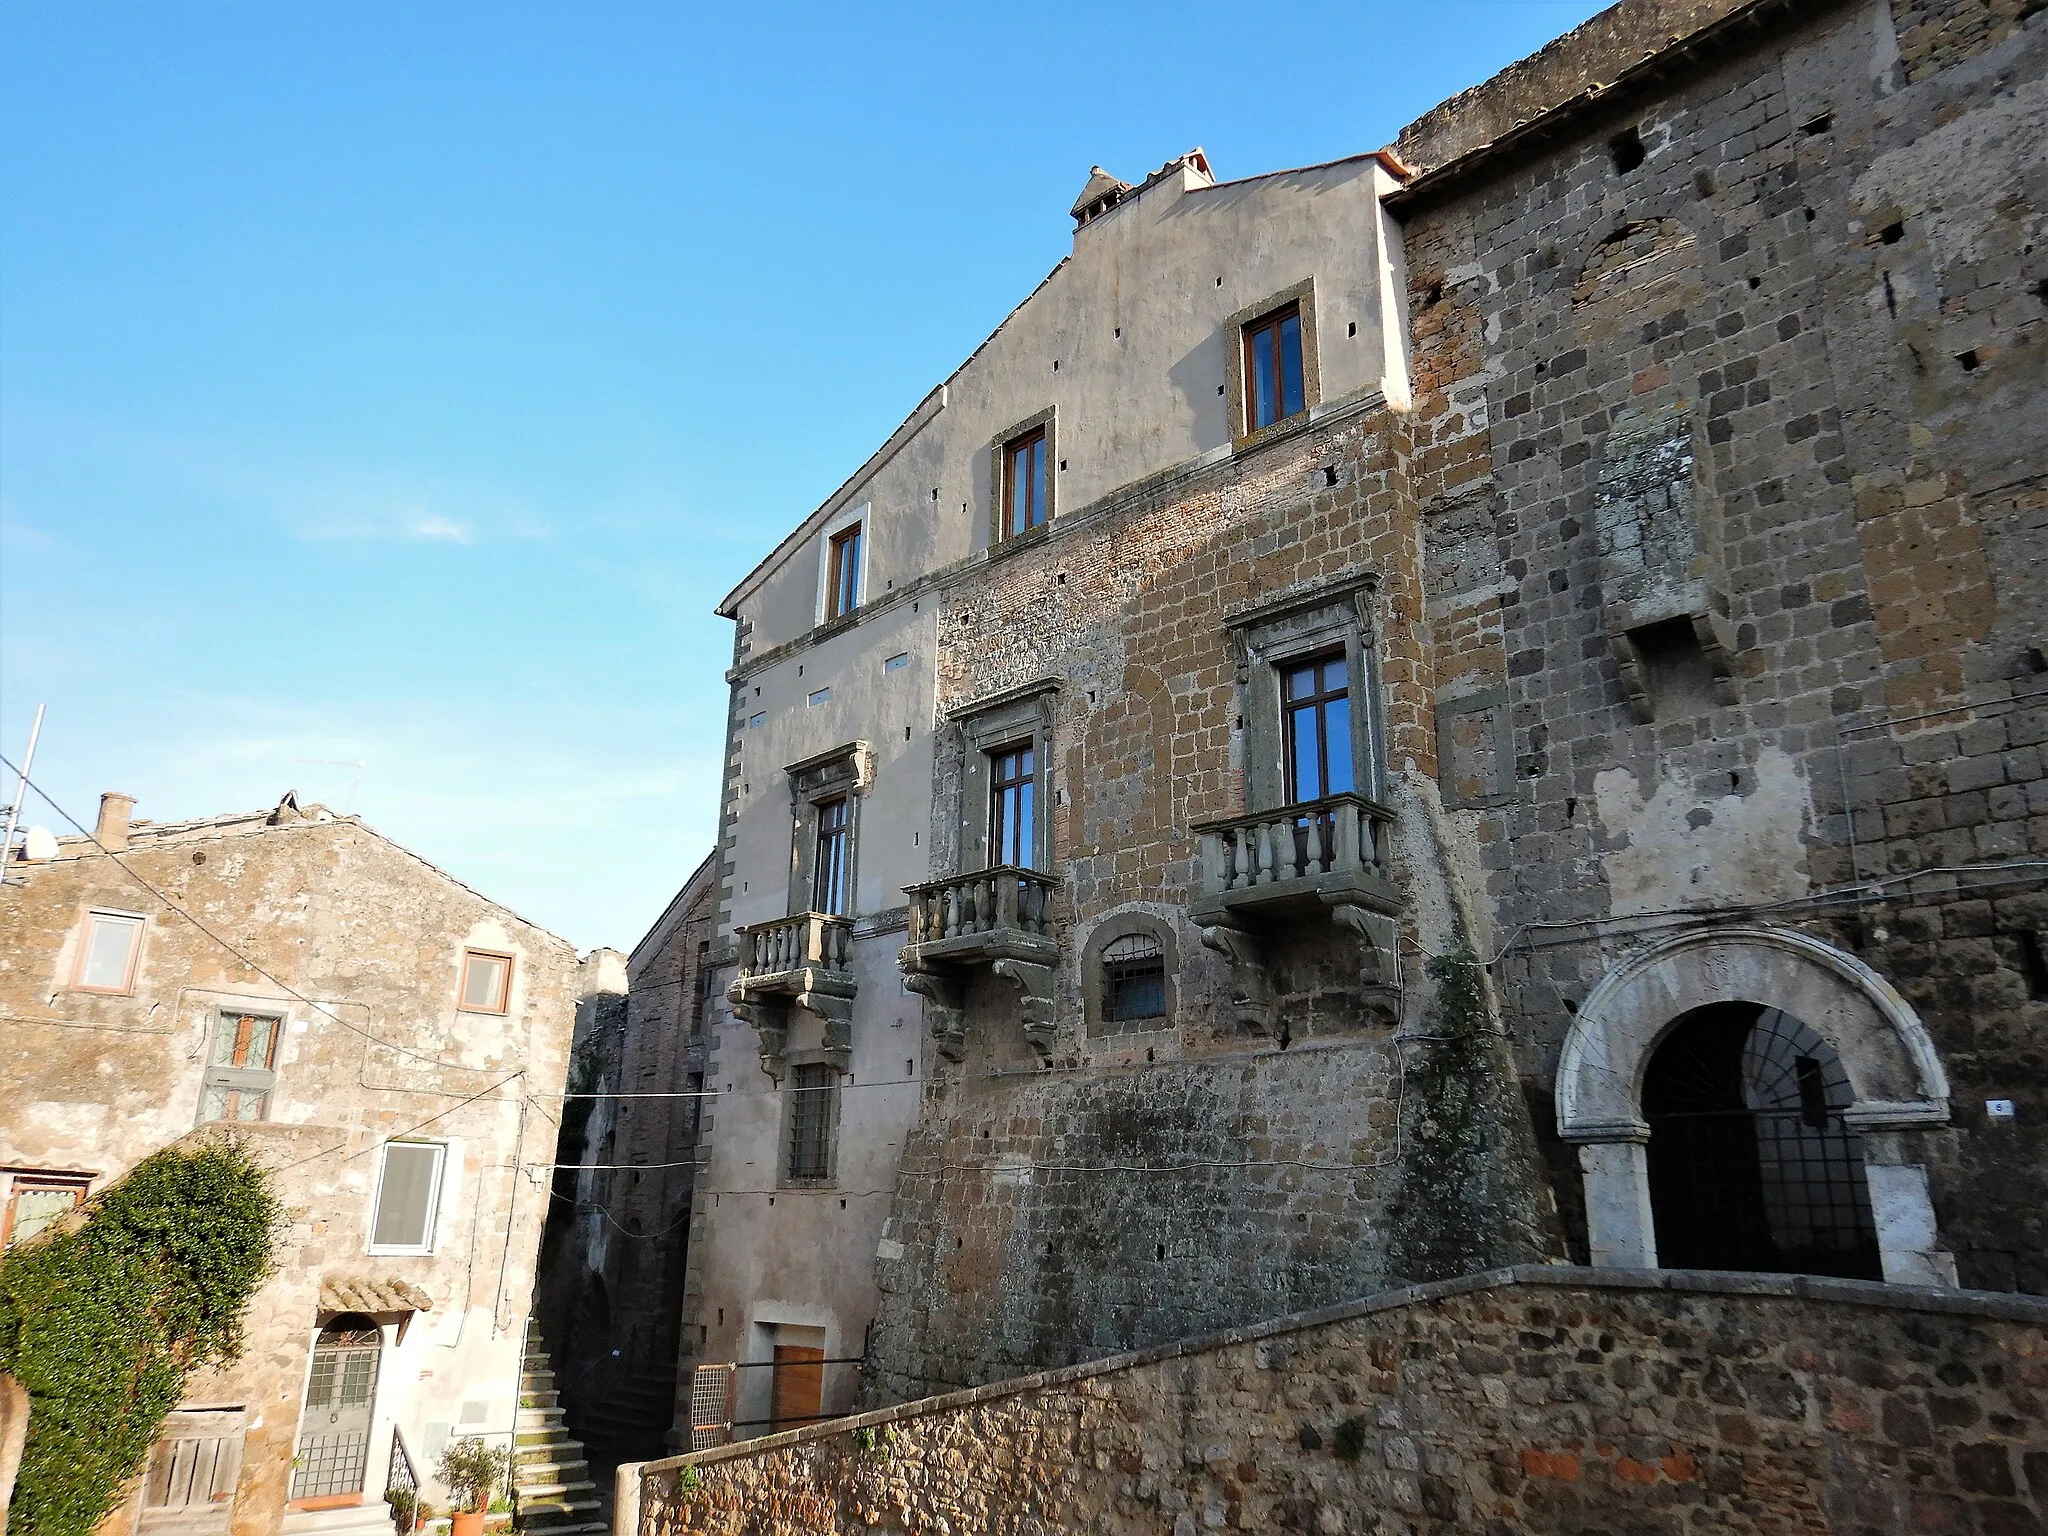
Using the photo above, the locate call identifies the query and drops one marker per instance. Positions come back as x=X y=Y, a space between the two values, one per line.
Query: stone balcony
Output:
x=1000 y=918
x=804 y=962
x=1271 y=870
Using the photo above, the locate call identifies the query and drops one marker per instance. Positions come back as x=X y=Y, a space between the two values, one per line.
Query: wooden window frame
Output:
x=138 y=925
x=1023 y=782
x=843 y=559
x=1024 y=442
x=504 y=1003
x=1273 y=320
x=838 y=836
x=1318 y=701
x=19 y=1179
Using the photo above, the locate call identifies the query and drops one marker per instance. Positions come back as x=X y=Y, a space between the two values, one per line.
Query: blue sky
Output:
x=402 y=385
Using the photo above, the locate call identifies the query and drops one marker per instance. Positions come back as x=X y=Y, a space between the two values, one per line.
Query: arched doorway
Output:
x=1752 y=1165
x=1897 y=1093
x=341 y=1397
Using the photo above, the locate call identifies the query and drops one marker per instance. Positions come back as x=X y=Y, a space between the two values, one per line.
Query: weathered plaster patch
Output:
x=1748 y=847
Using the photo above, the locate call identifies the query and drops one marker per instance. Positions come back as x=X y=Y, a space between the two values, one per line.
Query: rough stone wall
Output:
x=1545 y=1400
x=1707 y=587
x=1189 y=1176
x=1821 y=284
x=92 y=1083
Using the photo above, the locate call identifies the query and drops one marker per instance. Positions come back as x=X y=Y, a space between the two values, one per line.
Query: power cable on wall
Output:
x=279 y=983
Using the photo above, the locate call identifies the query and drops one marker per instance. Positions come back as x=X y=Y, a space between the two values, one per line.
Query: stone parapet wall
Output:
x=1535 y=1399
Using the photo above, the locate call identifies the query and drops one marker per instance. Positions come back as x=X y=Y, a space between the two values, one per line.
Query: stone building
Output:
x=381 y=1036
x=611 y=1286
x=1479 y=703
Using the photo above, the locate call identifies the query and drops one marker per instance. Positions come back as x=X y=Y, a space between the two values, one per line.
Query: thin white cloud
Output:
x=445 y=530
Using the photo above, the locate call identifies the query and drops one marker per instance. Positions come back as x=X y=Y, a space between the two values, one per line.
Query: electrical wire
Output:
x=287 y=988
x=409 y=1130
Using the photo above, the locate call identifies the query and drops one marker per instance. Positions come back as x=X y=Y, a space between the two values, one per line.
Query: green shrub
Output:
x=473 y=1471
x=103 y=1319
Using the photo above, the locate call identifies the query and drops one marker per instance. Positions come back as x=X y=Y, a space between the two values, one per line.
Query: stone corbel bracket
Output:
x=1716 y=640
x=945 y=1010
x=1380 y=939
x=770 y=1021
x=1036 y=1007
x=768 y=1013
x=1251 y=982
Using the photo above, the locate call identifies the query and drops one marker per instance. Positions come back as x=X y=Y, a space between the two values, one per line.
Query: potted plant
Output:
x=473 y=1472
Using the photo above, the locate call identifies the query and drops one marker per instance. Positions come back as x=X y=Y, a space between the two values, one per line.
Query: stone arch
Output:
x=1900 y=1088
x=1128 y=923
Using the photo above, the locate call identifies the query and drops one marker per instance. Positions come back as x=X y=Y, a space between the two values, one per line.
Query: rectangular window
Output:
x=241 y=1069
x=486 y=981
x=106 y=962
x=1272 y=368
x=842 y=586
x=1012 y=808
x=1316 y=712
x=34 y=1200
x=408 y=1197
x=813 y=1106
x=828 y=873
x=1024 y=483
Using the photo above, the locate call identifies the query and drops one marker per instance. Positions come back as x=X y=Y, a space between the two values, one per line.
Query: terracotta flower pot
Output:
x=466 y=1522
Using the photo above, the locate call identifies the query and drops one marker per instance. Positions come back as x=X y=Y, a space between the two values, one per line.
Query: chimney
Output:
x=112 y=831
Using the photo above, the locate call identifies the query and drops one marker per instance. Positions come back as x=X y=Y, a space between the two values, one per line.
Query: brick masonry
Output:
x=1539 y=1400
x=1745 y=350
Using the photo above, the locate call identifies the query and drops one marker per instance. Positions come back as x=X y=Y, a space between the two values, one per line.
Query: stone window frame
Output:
x=1107 y=930
x=835 y=525
x=1302 y=294
x=1266 y=639
x=1902 y=1092
x=999 y=475
x=843 y=772
x=786 y=1123
x=1008 y=719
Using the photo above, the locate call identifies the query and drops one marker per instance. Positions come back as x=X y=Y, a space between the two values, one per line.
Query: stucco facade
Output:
x=333 y=996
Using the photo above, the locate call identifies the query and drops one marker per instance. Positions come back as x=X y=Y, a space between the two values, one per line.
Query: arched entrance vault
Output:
x=1899 y=1089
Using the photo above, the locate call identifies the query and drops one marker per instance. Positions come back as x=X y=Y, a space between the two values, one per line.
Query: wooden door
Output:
x=193 y=1467
x=799 y=1396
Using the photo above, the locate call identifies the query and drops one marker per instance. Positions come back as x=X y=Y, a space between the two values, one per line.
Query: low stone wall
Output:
x=1541 y=1399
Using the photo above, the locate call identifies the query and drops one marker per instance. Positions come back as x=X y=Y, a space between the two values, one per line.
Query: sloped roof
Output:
x=373 y=1294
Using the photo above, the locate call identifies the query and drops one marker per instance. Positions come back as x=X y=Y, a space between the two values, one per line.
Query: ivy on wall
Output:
x=1470 y=1193
x=103 y=1319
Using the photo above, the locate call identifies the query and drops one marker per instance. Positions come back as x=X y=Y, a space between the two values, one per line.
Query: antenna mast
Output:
x=28 y=763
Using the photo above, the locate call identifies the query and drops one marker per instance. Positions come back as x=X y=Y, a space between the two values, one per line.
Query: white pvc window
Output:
x=408 y=1197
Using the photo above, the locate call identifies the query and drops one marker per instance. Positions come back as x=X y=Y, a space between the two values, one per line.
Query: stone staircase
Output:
x=630 y=1418
x=550 y=1474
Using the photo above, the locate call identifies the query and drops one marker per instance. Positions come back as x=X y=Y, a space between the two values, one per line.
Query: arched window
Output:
x=1127 y=975
x=1752 y=1165
x=1133 y=979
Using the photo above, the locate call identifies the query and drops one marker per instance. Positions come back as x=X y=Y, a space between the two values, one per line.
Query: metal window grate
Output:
x=813 y=1088
x=1752 y=1165
x=1133 y=978
x=331 y=1464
